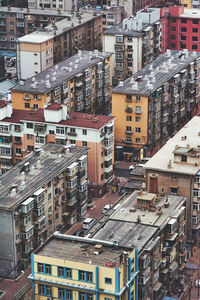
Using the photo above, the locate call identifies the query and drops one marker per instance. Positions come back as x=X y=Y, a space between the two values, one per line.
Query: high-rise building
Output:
x=153 y=104
x=82 y=82
x=155 y=225
x=39 y=195
x=175 y=168
x=22 y=132
x=134 y=43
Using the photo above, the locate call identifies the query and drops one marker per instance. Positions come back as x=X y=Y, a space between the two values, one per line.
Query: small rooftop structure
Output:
x=153 y=75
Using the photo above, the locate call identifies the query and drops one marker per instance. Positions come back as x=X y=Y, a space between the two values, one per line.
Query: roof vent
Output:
x=54 y=78
x=13 y=192
x=47 y=76
x=121 y=83
x=184 y=137
x=56 y=67
x=33 y=79
x=21 y=82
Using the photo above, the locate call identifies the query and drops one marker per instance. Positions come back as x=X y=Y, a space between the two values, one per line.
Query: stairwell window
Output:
x=108 y=280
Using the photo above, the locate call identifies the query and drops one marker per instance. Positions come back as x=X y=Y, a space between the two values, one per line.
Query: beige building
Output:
x=16 y=22
x=175 y=169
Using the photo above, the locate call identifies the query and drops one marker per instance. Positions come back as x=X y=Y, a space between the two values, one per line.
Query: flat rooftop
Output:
x=32 y=11
x=80 y=250
x=70 y=23
x=124 y=228
x=191 y=13
x=62 y=72
x=119 y=30
x=36 y=37
x=161 y=159
x=51 y=162
x=153 y=75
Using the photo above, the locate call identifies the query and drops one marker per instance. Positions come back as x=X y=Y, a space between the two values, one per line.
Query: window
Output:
x=173 y=20
x=48 y=290
x=184 y=158
x=128 y=118
x=174 y=176
x=173 y=46
x=27 y=105
x=194 y=47
x=138 y=109
x=137 y=129
x=64 y=272
x=84 y=131
x=137 y=119
x=73 y=142
x=173 y=190
x=129 y=128
x=29 y=125
x=173 y=28
x=64 y=294
x=108 y=280
x=195 y=21
x=84 y=144
x=173 y=37
x=195 y=206
x=137 y=98
x=30 y=148
x=183 y=46
x=85 y=296
x=51 y=132
x=195 y=30
x=44 y=268
x=183 y=29
x=85 y=276
x=60 y=130
x=183 y=37
x=41 y=290
x=137 y=140
x=195 y=38
x=102 y=165
x=184 y=21
x=29 y=137
x=35 y=106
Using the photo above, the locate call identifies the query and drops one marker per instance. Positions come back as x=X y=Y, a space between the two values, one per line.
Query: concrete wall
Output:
x=7 y=244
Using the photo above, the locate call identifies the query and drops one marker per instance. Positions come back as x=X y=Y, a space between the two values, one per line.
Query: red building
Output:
x=183 y=29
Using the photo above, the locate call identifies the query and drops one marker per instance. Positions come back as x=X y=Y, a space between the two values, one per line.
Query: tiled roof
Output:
x=2 y=103
x=75 y=119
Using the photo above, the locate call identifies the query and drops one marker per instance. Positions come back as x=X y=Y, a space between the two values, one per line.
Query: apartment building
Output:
x=111 y=15
x=82 y=82
x=131 y=7
x=84 y=268
x=62 y=5
x=155 y=225
x=184 y=27
x=79 y=32
x=134 y=43
x=37 y=52
x=43 y=192
x=187 y=3
x=22 y=132
x=175 y=168
x=153 y=104
x=16 y=22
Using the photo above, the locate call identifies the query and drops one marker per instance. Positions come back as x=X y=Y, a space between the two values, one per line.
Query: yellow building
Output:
x=82 y=82
x=74 y=268
x=150 y=106
x=186 y=3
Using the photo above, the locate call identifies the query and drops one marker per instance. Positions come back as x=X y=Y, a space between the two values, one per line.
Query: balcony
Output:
x=128 y=109
x=138 y=110
x=129 y=132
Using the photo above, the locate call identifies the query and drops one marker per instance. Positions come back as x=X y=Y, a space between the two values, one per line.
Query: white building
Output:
x=62 y=5
x=34 y=54
x=134 y=43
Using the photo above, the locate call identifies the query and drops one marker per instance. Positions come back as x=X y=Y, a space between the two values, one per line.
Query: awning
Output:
x=7 y=53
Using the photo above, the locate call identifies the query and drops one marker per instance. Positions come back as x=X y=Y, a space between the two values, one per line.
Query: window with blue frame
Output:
x=85 y=276
x=44 y=290
x=108 y=280
x=85 y=296
x=44 y=268
x=64 y=294
x=64 y=272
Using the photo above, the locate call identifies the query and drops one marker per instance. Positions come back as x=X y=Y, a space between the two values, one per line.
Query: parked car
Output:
x=11 y=64
x=79 y=233
x=87 y=224
x=106 y=208
x=197 y=283
x=122 y=190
